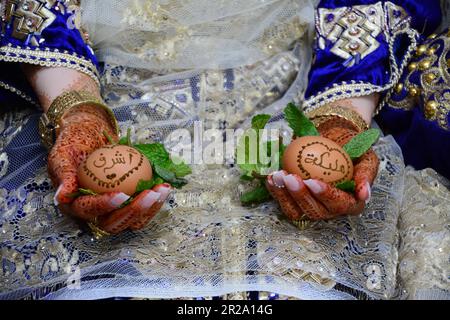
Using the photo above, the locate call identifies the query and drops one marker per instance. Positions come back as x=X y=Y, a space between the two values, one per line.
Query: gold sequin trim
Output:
x=18 y=92
x=49 y=58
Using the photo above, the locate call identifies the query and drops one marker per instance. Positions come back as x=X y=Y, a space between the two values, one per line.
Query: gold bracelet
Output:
x=323 y=114
x=49 y=123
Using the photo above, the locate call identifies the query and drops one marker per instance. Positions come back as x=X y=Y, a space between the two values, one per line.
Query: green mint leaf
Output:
x=359 y=145
x=248 y=169
x=281 y=149
x=73 y=195
x=148 y=184
x=155 y=152
x=86 y=192
x=298 y=122
x=245 y=177
x=126 y=140
x=259 y=121
x=127 y=202
x=180 y=169
x=123 y=141
x=163 y=165
x=347 y=186
x=257 y=195
x=81 y=192
x=169 y=177
x=243 y=149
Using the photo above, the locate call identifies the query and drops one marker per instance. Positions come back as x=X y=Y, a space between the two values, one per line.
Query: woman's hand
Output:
x=319 y=200
x=82 y=131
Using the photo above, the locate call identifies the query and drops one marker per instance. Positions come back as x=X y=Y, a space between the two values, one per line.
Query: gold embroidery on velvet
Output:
x=395 y=22
x=29 y=17
x=353 y=30
x=434 y=83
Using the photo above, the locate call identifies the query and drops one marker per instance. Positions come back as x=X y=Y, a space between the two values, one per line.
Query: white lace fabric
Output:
x=191 y=34
x=204 y=242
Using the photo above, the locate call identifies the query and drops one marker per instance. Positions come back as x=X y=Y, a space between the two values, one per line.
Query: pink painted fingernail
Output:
x=291 y=183
x=118 y=199
x=164 y=191
x=55 y=198
x=313 y=185
x=150 y=199
x=278 y=178
x=369 y=192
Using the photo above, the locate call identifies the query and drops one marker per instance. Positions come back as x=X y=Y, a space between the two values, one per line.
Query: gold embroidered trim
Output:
x=353 y=31
x=29 y=17
x=433 y=87
x=345 y=90
x=49 y=58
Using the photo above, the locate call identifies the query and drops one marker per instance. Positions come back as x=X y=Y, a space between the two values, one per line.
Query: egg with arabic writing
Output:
x=315 y=157
x=114 y=168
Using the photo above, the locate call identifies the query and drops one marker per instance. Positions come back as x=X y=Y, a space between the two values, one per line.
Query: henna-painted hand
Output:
x=81 y=133
x=319 y=200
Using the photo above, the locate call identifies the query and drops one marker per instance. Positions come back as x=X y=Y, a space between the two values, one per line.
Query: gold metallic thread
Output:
x=421 y=50
x=413 y=91
x=96 y=231
x=424 y=65
x=433 y=86
x=399 y=87
x=412 y=66
x=431 y=108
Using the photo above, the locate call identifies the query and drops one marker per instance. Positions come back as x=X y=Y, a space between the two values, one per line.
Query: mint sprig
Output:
x=126 y=140
x=359 y=145
x=257 y=195
x=298 y=122
x=259 y=121
x=163 y=165
x=258 y=170
x=347 y=186
x=82 y=192
x=148 y=184
x=165 y=169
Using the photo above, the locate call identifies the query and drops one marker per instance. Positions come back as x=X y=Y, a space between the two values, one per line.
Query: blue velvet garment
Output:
x=37 y=32
x=374 y=69
x=43 y=33
x=364 y=47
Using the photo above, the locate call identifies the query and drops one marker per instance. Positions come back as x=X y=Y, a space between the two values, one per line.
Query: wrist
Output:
x=75 y=107
x=333 y=115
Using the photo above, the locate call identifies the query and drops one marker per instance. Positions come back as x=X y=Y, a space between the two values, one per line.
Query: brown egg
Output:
x=315 y=157
x=114 y=168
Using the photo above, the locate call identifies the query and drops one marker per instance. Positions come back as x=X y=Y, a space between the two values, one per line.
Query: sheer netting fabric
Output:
x=204 y=242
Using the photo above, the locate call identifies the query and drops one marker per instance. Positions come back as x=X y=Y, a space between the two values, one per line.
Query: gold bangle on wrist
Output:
x=49 y=123
x=323 y=114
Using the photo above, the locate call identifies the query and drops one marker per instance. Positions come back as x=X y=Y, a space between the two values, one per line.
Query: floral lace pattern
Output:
x=204 y=242
x=425 y=231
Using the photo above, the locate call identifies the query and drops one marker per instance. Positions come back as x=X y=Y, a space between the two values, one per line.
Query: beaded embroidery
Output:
x=353 y=31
